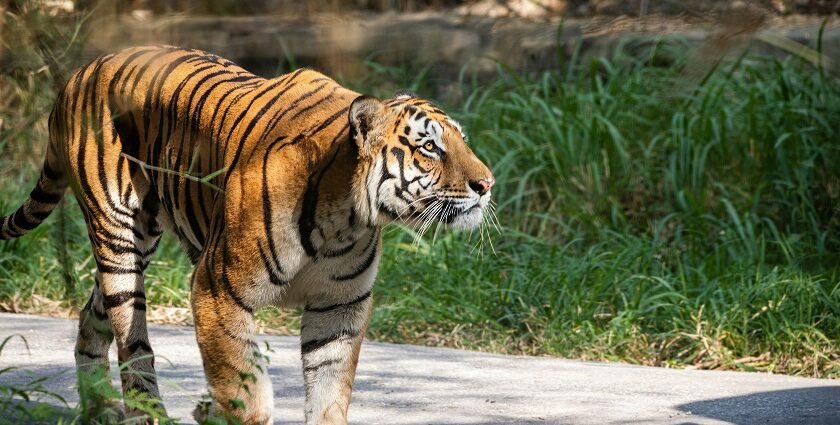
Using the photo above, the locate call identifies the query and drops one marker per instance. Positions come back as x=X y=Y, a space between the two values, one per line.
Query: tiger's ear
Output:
x=363 y=113
x=404 y=94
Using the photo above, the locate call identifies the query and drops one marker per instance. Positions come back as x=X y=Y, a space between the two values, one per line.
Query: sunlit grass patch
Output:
x=643 y=219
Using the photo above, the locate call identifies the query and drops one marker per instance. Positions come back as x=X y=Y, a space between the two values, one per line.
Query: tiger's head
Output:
x=415 y=165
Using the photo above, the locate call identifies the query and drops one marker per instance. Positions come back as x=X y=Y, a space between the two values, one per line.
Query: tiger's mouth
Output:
x=470 y=217
x=458 y=212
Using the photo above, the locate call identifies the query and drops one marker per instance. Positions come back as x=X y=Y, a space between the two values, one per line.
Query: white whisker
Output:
x=407 y=208
x=429 y=215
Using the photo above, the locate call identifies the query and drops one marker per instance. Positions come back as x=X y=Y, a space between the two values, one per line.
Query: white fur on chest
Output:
x=344 y=264
x=319 y=282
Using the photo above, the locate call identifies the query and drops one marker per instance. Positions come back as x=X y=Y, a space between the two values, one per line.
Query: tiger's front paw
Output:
x=206 y=413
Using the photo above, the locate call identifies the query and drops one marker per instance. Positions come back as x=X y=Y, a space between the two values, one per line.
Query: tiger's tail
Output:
x=41 y=201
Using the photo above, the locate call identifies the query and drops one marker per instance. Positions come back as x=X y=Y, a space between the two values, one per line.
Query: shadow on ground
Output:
x=810 y=406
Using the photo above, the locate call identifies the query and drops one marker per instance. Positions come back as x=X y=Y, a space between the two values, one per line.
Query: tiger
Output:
x=277 y=189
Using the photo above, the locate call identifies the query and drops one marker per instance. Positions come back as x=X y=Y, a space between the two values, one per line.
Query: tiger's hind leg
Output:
x=92 y=364
x=117 y=308
x=95 y=334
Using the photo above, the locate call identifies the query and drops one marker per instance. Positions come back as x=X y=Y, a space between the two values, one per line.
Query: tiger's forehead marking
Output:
x=422 y=128
x=424 y=121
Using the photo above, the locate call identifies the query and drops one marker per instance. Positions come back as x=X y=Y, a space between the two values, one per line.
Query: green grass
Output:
x=647 y=215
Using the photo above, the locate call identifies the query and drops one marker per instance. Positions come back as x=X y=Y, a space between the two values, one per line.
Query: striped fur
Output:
x=277 y=189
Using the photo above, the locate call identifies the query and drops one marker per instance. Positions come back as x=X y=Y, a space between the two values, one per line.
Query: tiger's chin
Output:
x=468 y=220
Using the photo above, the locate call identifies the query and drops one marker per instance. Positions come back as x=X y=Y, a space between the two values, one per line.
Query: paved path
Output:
x=403 y=384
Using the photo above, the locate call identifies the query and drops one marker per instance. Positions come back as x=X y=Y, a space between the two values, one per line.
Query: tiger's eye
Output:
x=429 y=146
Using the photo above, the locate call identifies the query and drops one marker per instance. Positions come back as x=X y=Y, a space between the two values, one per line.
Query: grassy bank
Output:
x=648 y=213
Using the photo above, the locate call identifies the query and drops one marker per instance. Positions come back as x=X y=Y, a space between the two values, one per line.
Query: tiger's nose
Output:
x=481 y=186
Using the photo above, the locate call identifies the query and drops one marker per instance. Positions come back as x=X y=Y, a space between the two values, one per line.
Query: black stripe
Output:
x=151 y=250
x=226 y=285
x=286 y=79
x=140 y=387
x=114 y=247
x=136 y=73
x=136 y=345
x=310 y=346
x=21 y=221
x=326 y=123
x=197 y=202
x=273 y=275
x=254 y=118
x=129 y=135
x=88 y=114
x=155 y=87
x=247 y=89
x=294 y=104
x=155 y=149
x=365 y=296
x=314 y=368
x=182 y=143
x=320 y=101
x=199 y=198
x=306 y=221
x=49 y=173
x=118 y=75
x=339 y=252
x=366 y=264
x=102 y=172
x=89 y=354
x=385 y=174
x=120 y=298
x=109 y=269
x=90 y=308
x=192 y=252
x=274 y=267
x=107 y=235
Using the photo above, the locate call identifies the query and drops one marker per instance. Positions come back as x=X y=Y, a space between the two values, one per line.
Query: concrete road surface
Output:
x=403 y=384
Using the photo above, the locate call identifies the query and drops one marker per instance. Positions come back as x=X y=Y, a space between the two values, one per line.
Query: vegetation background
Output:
x=671 y=202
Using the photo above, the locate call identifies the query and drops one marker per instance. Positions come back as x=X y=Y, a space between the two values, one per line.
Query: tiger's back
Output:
x=172 y=113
